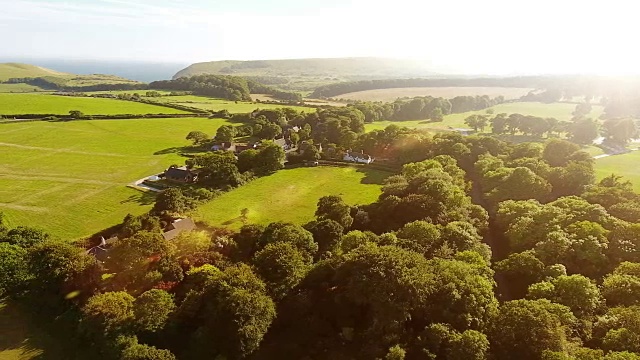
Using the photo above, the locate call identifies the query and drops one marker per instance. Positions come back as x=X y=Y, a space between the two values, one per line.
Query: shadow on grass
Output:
x=180 y=150
x=142 y=198
x=33 y=338
x=373 y=176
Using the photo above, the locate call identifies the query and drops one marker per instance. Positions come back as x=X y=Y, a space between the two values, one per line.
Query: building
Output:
x=181 y=175
x=356 y=157
x=224 y=146
x=101 y=252
x=177 y=227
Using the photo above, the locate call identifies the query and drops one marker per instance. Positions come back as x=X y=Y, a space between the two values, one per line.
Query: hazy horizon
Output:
x=495 y=37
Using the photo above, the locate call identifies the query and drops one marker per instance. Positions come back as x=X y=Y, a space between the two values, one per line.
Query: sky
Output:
x=500 y=37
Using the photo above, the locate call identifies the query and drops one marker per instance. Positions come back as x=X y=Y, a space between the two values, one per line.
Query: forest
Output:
x=476 y=249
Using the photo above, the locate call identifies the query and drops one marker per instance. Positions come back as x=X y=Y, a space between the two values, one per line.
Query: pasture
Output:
x=233 y=107
x=625 y=165
x=18 y=88
x=389 y=95
x=560 y=111
x=16 y=70
x=70 y=178
x=61 y=105
x=292 y=195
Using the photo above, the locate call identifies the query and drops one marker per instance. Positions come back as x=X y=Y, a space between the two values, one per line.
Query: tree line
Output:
x=52 y=83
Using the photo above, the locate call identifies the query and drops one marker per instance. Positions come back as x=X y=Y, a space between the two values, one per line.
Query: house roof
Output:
x=179 y=226
x=358 y=155
x=177 y=173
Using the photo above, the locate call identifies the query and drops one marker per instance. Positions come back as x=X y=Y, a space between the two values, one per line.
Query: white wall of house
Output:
x=361 y=160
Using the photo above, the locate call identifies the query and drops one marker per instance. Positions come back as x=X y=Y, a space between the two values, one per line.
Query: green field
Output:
x=623 y=164
x=18 y=88
x=560 y=111
x=70 y=178
x=207 y=103
x=54 y=104
x=16 y=70
x=292 y=195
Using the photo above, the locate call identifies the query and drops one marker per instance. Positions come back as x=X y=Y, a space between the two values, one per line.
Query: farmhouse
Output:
x=360 y=157
x=101 y=252
x=224 y=146
x=181 y=174
x=177 y=227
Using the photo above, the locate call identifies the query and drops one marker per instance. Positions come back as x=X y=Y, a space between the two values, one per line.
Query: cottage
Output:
x=245 y=146
x=101 y=252
x=361 y=157
x=224 y=146
x=181 y=174
x=178 y=227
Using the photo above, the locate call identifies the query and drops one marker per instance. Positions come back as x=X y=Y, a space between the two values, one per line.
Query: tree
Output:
x=247 y=160
x=583 y=131
x=13 y=269
x=395 y=353
x=528 y=328
x=582 y=109
x=557 y=152
x=108 y=314
x=282 y=266
x=577 y=292
x=619 y=131
x=334 y=208
x=521 y=270
x=436 y=115
x=327 y=233
x=293 y=234
x=225 y=133
x=499 y=124
x=146 y=352
x=24 y=236
x=76 y=114
x=477 y=122
x=152 y=310
x=198 y=137
x=270 y=158
x=173 y=200
x=217 y=168
x=270 y=131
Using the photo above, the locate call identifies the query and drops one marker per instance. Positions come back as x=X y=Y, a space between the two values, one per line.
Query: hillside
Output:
x=16 y=70
x=307 y=73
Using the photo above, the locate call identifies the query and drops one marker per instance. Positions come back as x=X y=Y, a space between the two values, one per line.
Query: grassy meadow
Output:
x=560 y=111
x=625 y=165
x=18 y=88
x=16 y=70
x=54 y=104
x=70 y=178
x=233 y=107
x=392 y=94
x=292 y=195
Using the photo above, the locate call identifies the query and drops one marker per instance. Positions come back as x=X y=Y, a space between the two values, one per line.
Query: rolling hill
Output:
x=16 y=70
x=309 y=73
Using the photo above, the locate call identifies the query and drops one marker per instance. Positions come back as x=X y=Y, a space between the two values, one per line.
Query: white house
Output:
x=357 y=157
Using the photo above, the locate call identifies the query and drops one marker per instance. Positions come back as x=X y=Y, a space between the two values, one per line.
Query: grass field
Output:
x=53 y=104
x=16 y=70
x=18 y=88
x=292 y=195
x=445 y=92
x=207 y=103
x=623 y=164
x=70 y=178
x=560 y=111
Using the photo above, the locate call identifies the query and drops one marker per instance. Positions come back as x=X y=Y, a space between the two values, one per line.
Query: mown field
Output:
x=560 y=111
x=233 y=107
x=54 y=104
x=292 y=195
x=70 y=178
x=392 y=94
x=625 y=165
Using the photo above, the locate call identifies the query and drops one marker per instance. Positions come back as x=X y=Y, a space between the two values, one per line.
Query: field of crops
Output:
x=445 y=92
x=292 y=195
x=560 y=111
x=72 y=176
x=54 y=104
x=233 y=107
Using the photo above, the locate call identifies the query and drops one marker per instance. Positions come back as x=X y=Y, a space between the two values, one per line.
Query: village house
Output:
x=357 y=157
x=181 y=174
x=224 y=146
x=101 y=251
x=177 y=227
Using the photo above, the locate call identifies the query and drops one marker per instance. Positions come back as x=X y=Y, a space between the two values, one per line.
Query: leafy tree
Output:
x=172 y=200
x=132 y=224
x=334 y=208
x=356 y=238
x=521 y=270
x=146 y=352
x=270 y=131
x=576 y=292
x=217 y=168
x=13 y=268
x=421 y=237
x=225 y=133
x=24 y=236
x=558 y=152
x=477 y=122
x=282 y=266
x=499 y=123
x=395 y=353
x=269 y=159
x=293 y=234
x=619 y=131
x=108 y=314
x=198 y=137
x=327 y=233
x=76 y=114
x=528 y=328
x=583 y=131
x=619 y=330
x=247 y=160
x=152 y=310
